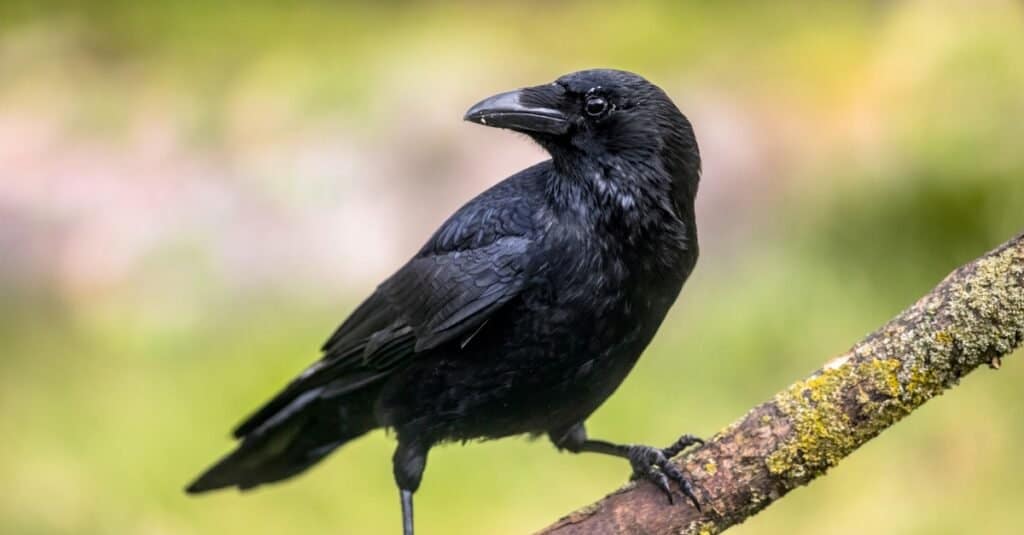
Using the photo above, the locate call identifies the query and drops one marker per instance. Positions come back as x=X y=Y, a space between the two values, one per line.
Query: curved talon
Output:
x=658 y=478
x=675 y=474
x=684 y=442
x=653 y=464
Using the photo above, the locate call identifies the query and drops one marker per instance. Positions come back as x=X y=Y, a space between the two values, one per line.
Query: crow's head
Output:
x=599 y=117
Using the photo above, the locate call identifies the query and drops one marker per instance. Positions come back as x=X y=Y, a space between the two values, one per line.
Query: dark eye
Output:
x=595 y=106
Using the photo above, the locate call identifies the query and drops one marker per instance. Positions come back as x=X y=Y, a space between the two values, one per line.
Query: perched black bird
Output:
x=523 y=312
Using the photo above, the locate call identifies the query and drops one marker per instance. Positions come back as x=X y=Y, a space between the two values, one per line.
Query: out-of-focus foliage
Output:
x=193 y=194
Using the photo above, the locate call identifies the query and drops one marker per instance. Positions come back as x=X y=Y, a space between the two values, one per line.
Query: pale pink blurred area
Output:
x=117 y=176
x=276 y=202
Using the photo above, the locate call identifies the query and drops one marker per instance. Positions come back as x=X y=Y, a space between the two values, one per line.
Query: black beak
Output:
x=508 y=110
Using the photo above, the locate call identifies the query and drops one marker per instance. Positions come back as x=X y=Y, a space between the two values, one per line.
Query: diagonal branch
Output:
x=973 y=317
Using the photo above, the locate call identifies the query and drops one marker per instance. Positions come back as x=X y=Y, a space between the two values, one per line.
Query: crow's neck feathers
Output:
x=629 y=194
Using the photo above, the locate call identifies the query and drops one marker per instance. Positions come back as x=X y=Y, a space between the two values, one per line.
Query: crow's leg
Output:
x=409 y=461
x=648 y=462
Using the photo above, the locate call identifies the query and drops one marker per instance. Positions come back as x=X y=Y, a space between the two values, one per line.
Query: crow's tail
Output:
x=295 y=438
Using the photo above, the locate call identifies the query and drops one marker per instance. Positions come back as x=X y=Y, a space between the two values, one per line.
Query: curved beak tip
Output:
x=506 y=110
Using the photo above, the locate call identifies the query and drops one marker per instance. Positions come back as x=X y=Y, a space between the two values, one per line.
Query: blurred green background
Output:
x=192 y=195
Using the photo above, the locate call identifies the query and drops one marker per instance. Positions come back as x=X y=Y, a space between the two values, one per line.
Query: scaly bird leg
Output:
x=409 y=461
x=650 y=463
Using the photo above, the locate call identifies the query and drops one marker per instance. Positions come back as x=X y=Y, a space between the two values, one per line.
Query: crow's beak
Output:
x=508 y=110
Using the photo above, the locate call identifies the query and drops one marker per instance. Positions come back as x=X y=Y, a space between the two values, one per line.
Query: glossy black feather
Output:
x=472 y=265
x=523 y=312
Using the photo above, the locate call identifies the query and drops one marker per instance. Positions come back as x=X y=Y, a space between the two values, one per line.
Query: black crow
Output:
x=523 y=312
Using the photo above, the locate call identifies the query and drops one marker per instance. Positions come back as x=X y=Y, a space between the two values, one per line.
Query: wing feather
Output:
x=474 y=264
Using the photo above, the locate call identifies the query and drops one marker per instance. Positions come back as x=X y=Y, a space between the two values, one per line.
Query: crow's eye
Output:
x=595 y=106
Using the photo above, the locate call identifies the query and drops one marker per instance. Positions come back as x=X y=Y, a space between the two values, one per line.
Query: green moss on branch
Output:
x=974 y=317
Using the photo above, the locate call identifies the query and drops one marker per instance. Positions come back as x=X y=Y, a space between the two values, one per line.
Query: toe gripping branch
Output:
x=656 y=466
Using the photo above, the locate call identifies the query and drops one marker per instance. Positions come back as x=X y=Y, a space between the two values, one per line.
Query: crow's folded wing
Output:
x=445 y=296
x=472 y=266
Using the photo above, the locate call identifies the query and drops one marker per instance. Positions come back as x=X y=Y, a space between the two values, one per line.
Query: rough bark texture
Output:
x=973 y=317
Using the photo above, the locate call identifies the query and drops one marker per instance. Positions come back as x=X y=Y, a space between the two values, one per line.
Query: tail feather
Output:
x=297 y=390
x=292 y=440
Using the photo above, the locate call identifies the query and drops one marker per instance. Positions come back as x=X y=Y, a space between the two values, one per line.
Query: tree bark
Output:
x=973 y=317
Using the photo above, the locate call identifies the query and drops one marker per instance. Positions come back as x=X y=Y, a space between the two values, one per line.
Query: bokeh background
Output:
x=192 y=195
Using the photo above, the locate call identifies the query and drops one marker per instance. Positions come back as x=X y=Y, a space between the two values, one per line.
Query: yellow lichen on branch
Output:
x=973 y=317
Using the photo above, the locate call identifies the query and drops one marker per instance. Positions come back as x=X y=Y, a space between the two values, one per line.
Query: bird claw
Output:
x=654 y=465
x=684 y=442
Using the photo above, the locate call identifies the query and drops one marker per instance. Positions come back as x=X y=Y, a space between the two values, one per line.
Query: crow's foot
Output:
x=655 y=465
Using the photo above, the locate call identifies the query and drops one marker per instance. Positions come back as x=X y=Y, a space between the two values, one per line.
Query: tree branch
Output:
x=973 y=317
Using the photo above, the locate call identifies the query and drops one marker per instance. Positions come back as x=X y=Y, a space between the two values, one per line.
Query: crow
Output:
x=523 y=312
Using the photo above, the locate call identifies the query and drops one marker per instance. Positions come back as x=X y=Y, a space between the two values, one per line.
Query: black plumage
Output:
x=523 y=312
